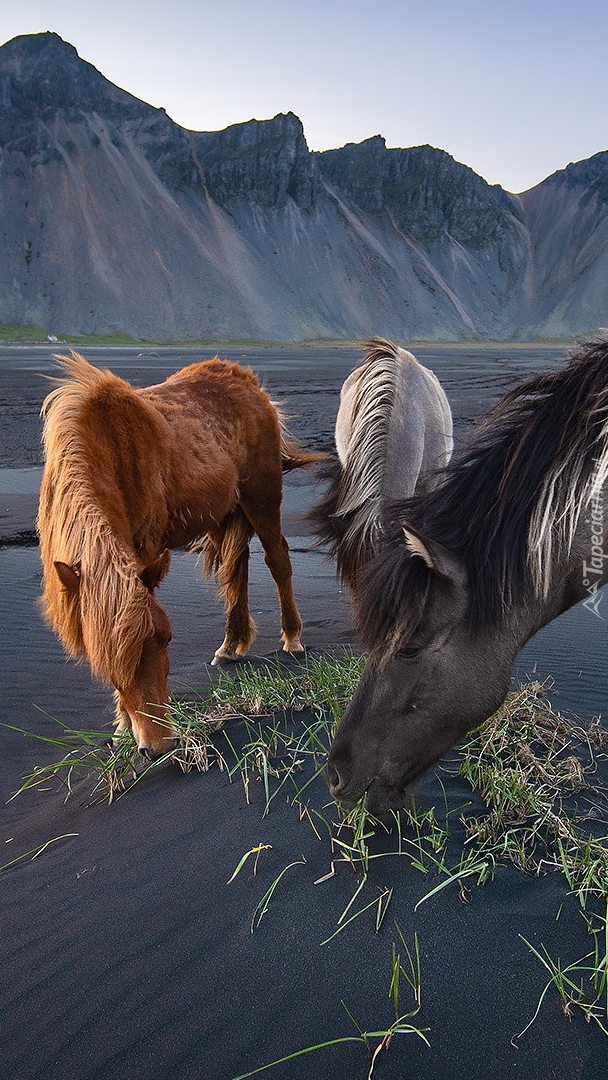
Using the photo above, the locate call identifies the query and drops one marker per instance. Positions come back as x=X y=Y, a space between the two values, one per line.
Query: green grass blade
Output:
x=35 y=852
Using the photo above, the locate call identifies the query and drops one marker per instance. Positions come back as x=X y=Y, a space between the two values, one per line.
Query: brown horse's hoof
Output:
x=293 y=647
x=224 y=657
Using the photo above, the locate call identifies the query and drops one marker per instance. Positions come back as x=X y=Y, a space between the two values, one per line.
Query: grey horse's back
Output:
x=394 y=425
x=393 y=432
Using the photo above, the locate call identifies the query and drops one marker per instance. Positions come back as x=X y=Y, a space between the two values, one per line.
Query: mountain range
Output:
x=113 y=218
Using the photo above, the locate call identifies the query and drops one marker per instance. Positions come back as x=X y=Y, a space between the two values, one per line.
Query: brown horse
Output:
x=130 y=474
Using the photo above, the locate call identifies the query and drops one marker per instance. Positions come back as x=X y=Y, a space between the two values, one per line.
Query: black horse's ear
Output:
x=416 y=546
x=68 y=576
x=435 y=555
x=153 y=574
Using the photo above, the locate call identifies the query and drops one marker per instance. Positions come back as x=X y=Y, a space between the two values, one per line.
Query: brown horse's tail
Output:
x=294 y=457
x=226 y=554
x=223 y=547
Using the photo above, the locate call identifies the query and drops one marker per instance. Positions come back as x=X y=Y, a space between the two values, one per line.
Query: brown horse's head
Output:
x=133 y=653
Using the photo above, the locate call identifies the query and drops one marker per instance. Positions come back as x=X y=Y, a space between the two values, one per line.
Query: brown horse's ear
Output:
x=153 y=574
x=68 y=576
x=435 y=556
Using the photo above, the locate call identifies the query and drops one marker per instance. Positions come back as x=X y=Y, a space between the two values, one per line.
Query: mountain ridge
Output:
x=115 y=218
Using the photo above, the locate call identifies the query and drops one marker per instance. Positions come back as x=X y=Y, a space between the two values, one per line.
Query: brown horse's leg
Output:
x=232 y=577
x=276 y=554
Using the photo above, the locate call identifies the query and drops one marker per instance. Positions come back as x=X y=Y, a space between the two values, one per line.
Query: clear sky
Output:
x=515 y=90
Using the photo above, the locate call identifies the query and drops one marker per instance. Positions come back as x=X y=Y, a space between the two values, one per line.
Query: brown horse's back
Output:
x=132 y=473
x=227 y=441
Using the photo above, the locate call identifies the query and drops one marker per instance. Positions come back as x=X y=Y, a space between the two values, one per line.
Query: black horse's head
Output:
x=430 y=676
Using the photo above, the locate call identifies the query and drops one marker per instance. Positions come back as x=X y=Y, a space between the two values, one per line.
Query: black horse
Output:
x=512 y=536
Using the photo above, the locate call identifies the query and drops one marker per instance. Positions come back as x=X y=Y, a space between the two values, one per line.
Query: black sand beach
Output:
x=125 y=952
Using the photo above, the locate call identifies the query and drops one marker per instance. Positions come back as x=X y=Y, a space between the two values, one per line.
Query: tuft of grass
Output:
x=533 y=768
x=263 y=698
x=376 y=1041
x=535 y=772
x=88 y=754
x=583 y=984
x=321 y=684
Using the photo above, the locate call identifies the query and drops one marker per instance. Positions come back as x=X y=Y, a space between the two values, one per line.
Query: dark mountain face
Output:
x=115 y=218
x=42 y=76
x=428 y=193
x=266 y=163
x=43 y=82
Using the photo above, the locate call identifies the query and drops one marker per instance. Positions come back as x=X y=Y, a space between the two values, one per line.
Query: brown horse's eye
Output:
x=169 y=639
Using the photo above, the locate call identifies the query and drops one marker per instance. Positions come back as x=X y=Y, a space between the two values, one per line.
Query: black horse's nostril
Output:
x=334 y=780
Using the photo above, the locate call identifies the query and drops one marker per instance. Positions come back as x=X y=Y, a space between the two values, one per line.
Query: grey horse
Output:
x=393 y=432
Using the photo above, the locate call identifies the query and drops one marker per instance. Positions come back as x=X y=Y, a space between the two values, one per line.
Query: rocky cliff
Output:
x=112 y=217
x=567 y=218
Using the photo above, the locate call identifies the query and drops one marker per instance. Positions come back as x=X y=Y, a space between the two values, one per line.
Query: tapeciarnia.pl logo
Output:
x=593 y=570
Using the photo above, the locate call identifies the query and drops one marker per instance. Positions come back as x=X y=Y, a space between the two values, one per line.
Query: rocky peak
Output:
x=43 y=80
x=590 y=177
x=581 y=173
x=426 y=191
x=265 y=161
x=41 y=72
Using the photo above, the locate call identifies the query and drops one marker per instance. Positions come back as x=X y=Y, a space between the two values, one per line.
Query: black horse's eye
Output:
x=408 y=652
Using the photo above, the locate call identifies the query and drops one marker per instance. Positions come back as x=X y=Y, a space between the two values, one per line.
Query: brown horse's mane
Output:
x=109 y=617
x=508 y=506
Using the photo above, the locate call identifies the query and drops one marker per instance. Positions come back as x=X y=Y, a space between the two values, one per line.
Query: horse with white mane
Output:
x=393 y=431
x=512 y=536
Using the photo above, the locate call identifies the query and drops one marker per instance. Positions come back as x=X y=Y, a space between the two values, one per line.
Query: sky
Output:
x=514 y=90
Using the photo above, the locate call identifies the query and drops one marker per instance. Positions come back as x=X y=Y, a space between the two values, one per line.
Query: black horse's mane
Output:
x=507 y=506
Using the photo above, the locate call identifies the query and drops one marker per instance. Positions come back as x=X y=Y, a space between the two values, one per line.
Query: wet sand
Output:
x=124 y=950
